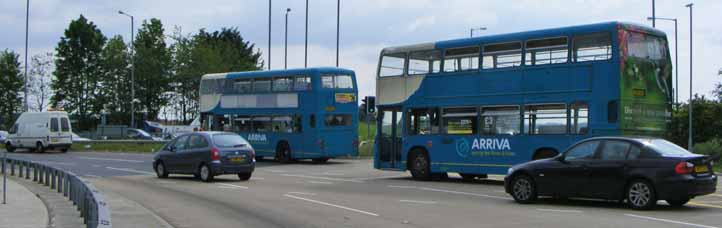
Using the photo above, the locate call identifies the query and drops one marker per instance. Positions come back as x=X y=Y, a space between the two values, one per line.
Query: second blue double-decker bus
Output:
x=309 y=113
x=477 y=106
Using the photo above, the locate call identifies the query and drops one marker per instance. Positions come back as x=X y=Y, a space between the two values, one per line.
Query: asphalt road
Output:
x=350 y=193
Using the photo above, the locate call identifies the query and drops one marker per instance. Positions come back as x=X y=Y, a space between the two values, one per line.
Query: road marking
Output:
x=563 y=211
x=704 y=205
x=332 y=174
x=257 y=178
x=401 y=186
x=91 y=176
x=58 y=163
x=331 y=205
x=276 y=171
x=381 y=177
x=232 y=186
x=303 y=193
x=112 y=159
x=717 y=195
x=322 y=178
x=417 y=201
x=464 y=193
x=96 y=166
x=320 y=182
x=669 y=221
x=131 y=170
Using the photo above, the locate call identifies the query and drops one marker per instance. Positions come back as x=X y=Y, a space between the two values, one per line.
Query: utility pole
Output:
x=285 y=43
x=654 y=16
x=132 y=68
x=269 y=34
x=338 y=27
x=691 y=142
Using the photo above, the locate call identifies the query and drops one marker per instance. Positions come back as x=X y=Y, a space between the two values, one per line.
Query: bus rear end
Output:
x=646 y=81
x=338 y=117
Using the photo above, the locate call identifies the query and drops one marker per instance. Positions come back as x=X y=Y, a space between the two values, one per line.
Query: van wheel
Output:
x=39 y=147
x=9 y=147
x=283 y=153
x=419 y=165
x=64 y=150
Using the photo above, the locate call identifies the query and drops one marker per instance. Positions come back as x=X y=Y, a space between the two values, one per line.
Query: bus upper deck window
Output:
x=502 y=55
x=302 y=83
x=282 y=84
x=424 y=62
x=392 y=65
x=592 y=47
x=461 y=59
x=261 y=85
x=546 y=51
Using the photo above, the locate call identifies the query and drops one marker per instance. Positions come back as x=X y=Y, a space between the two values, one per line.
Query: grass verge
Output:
x=366 y=149
x=140 y=147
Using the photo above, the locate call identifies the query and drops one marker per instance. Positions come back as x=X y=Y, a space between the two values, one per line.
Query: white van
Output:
x=39 y=131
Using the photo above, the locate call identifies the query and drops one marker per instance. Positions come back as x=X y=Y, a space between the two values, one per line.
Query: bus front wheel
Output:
x=419 y=165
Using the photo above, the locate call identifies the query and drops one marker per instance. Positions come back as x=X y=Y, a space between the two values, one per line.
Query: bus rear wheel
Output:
x=419 y=165
x=320 y=160
x=283 y=153
x=544 y=153
x=471 y=177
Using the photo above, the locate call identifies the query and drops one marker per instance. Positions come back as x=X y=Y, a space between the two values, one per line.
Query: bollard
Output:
x=60 y=182
x=47 y=175
x=35 y=172
x=20 y=168
x=27 y=170
x=12 y=168
x=53 y=175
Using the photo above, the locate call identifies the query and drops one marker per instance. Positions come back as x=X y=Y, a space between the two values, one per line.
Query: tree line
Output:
x=89 y=75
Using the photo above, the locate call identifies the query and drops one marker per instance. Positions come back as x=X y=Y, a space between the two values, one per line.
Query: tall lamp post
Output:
x=27 y=27
x=285 y=43
x=132 y=68
x=691 y=142
x=471 y=31
x=305 y=53
x=269 y=34
x=676 y=55
x=338 y=27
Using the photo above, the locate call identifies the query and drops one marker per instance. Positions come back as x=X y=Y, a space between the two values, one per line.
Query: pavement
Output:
x=23 y=209
x=348 y=193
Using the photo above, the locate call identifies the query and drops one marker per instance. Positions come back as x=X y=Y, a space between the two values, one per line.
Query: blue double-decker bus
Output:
x=477 y=106
x=309 y=113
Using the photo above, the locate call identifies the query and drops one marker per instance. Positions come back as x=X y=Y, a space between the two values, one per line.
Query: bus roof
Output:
x=273 y=73
x=520 y=36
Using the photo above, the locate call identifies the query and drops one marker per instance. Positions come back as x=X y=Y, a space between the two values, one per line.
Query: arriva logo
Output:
x=462 y=147
x=257 y=137
x=490 y=144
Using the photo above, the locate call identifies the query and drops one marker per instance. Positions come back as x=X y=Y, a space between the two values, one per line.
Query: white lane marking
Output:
x=418 y=201
x=381 y=177
x=322 y=178
x=112 y=159
x=257 y=178
x=669 y=221
x=464 y=193
x=276 y=171
x=91 y=176
x=131 y=170
x=302 y=193
x=226 y=187
x=563 y=211
x=331 y=205
x=401 y=186
x=320 y=182
x=232 y=186
x=332 y=174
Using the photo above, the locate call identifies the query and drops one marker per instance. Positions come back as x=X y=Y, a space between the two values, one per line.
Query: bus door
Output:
x=389 y=144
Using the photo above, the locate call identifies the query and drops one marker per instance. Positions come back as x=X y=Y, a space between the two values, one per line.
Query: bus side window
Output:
x=544 y=119
x=500 y=120
x=297 y=126
x=592 y=47
x=460 y=121
x=312 y=121
x=502 y=55
x=580 y=118
x=612 y=111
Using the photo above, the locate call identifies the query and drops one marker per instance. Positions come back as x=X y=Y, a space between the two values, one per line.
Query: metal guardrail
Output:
x=93 y=208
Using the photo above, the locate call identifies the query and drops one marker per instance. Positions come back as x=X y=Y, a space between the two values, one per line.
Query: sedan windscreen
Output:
x=667 y=149
x=229 y=140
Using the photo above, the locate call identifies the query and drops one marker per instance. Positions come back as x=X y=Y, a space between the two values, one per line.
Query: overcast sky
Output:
x=369 y=25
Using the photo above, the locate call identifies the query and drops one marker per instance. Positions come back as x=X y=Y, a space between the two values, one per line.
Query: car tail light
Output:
x=684 y=168
x=215 y=154
x=253 y=154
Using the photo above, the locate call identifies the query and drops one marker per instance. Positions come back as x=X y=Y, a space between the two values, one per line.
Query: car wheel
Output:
x=320 y=160
x=205 y=173
x=640 y=195
x=420 y=166
x=678 y=202
x=64 y=150
x=523 y=189
x=39 y=147
x=244 y=176
x=9 y=147
x=160 y=170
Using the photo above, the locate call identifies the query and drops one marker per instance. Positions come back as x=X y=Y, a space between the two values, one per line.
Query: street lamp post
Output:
x=285 y=52
x=471 y=31
x=654 y=15
x=676 y=55
x=691 y=142
x=338 y=27
x=269 y=34
x=27 y=27
x=305 y=53
x=132 y=68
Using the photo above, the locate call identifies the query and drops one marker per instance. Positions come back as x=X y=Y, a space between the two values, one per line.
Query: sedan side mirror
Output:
x=171 y=148
x=561 y=159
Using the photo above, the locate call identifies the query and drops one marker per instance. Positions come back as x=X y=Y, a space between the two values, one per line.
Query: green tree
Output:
x=39 y=79
x=78 y=68
x=116 y=81
x=11 y=82
x=706 y=122
x=718 y=88
x=152 y=68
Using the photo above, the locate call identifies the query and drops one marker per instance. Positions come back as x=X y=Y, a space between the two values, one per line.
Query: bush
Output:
x=711 y=148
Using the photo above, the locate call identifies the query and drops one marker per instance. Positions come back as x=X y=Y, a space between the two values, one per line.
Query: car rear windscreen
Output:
x=229 y=140
x=667 y=148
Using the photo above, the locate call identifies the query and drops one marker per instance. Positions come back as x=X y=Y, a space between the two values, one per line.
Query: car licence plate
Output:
x=238 y=159
x=701 y=169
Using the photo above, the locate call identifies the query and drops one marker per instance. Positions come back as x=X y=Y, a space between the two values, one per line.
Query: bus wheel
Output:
x=419 y=165
x=471 y=177
x=9 y=147
x=320 y=160
x=283 y=153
